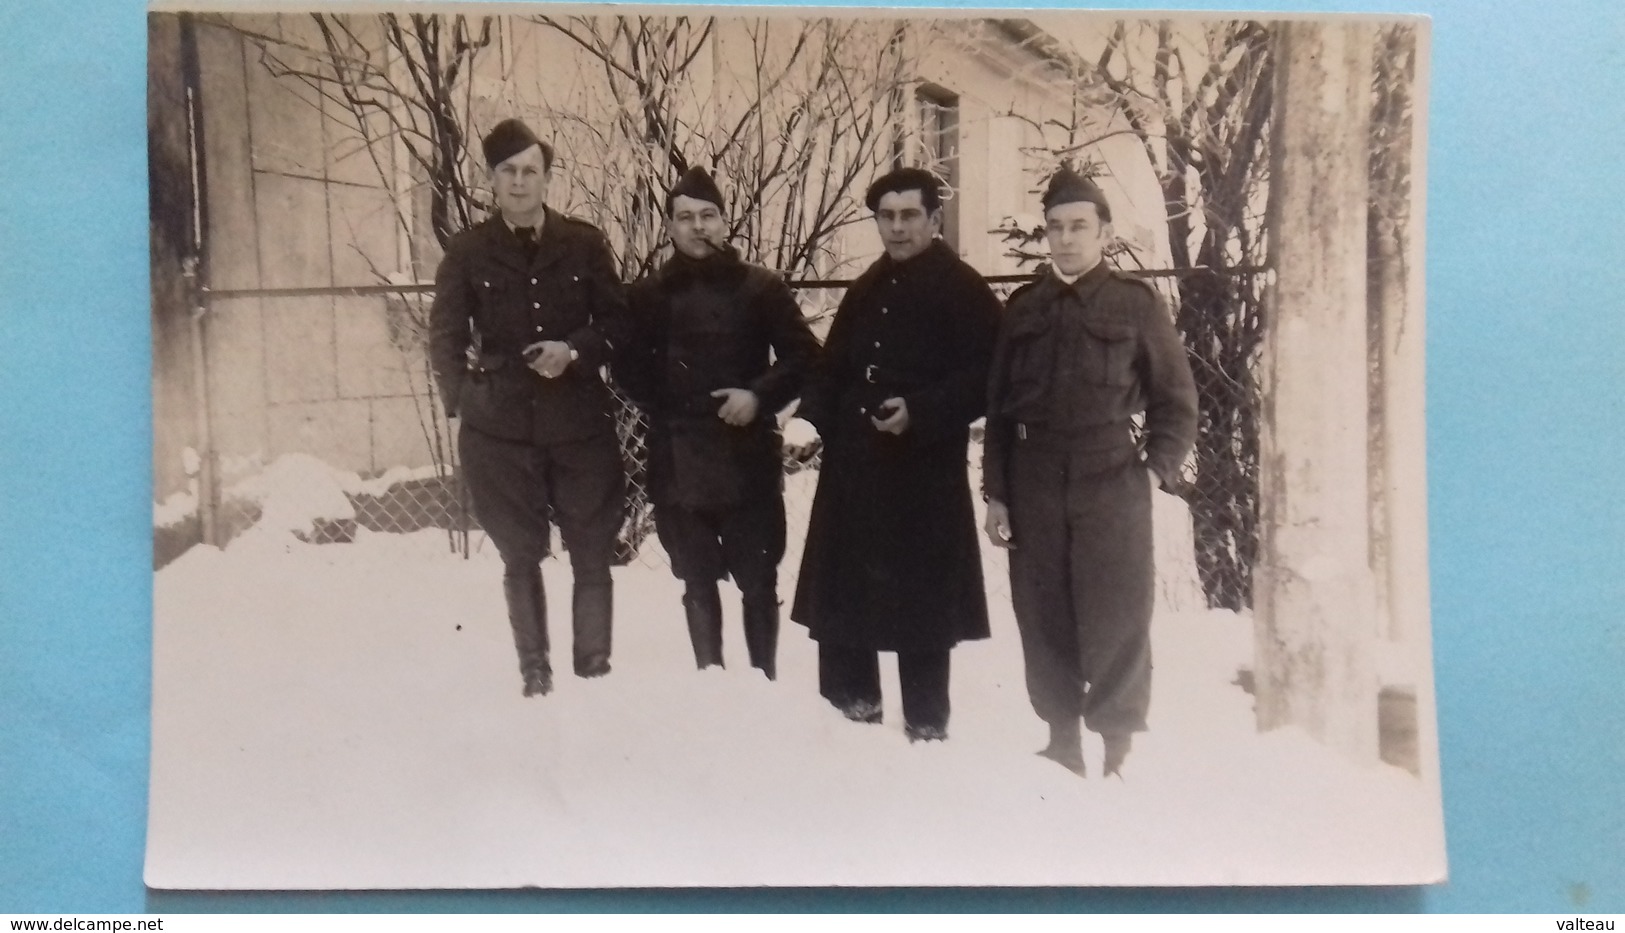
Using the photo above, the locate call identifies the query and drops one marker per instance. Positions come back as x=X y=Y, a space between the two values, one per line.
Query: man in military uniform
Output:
x=527 y=307
x=892 y=561
x=720 y=349
x=1081 y=352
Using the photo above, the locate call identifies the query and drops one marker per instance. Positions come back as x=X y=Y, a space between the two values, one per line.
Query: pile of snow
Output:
x=296 y=492
x=363 y=728
x=380 y=485
x=177 y=507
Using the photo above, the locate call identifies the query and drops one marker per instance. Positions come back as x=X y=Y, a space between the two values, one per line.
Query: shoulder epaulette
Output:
x=1024 y=289
x=1139 y=280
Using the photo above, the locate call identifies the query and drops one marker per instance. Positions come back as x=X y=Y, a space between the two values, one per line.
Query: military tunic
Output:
x=1075 y=363
x=536 y=450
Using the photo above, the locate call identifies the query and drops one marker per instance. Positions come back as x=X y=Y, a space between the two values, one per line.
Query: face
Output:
x=696 y=227
x=520 y=186
x=1077 y=236
x=906 y=227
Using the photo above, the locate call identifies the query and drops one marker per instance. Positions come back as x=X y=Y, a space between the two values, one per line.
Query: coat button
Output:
x=538 y=328
x=537 y=305
x=533 y=281
x=884 y=310
x=877 y=344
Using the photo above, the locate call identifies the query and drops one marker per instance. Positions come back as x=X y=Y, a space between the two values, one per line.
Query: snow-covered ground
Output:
x=349 y=716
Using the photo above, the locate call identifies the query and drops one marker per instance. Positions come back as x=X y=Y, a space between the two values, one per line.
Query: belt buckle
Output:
x=869 y=374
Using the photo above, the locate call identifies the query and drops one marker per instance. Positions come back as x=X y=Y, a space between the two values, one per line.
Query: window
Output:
x=938 y=149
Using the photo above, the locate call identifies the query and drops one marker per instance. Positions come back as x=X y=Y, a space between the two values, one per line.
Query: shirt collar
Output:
x=1093 y=273
x=540 y=223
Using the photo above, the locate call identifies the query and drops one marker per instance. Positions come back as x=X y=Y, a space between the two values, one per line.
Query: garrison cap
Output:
x=1067 y=186
x=508 y=139
x=696 y=183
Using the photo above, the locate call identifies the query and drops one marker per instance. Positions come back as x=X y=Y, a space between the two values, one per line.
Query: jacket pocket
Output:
x=1031 y=369
x=1109 y=359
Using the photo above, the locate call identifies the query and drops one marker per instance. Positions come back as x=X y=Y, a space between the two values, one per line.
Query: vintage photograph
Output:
x=614 y=446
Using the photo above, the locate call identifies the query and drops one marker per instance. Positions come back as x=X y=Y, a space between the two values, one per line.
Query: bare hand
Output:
x=740 y=407
x=997 y=524
x=897 y=421
x=551 y=359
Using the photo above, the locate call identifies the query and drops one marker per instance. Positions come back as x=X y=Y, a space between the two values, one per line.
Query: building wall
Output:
x=170 y=193
x=296 y=200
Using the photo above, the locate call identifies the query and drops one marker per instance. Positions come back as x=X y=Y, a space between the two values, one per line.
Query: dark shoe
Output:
x=860 y=711
x=761 y=611
x=592 y=611
x=925 y=733
x=702 y=606
x=538 y=682
x=1117 y=749
x=527 y=616
x=1065 y=746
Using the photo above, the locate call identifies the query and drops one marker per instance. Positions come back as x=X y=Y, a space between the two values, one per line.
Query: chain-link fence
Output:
x=1217 y=315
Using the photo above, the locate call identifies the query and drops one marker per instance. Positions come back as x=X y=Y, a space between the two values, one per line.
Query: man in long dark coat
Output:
x=1081 y=353
x=527 y=307
x=720 y=349
x=892 y=561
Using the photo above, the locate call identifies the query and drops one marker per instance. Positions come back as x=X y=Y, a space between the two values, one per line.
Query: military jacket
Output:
x=1074 y=364
x=493 y=299
x=701 y=326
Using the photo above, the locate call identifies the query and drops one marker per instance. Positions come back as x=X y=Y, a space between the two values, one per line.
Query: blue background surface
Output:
x=1525 y=451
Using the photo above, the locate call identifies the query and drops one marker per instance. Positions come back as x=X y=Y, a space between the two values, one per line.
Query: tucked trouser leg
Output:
x=1113 y=593
x=702 y=607
x=752 y=539
x=849 y=678
x=1040 y=584
x=923 y=676
x=586 y=481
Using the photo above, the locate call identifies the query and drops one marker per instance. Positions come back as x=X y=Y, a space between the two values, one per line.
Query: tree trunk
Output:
x=1398 y=488
x=1315 y=626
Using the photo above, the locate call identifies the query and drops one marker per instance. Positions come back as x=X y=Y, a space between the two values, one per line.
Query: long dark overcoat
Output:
x=892 y=560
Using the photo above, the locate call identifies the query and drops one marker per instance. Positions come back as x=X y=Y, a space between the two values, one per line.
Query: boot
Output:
x=702 y=606
x=761 y=610
x=591 y=614
x=1065 y=746
x=1117 y=749
x=527 y=615
x=925 y=733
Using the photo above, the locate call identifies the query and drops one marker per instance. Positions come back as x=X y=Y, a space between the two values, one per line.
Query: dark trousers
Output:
x=849 y=676
x=519 y=488
x=1082 y=585
x=745 y=541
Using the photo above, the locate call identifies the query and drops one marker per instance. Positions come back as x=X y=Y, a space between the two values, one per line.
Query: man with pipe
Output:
x=720 y=349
